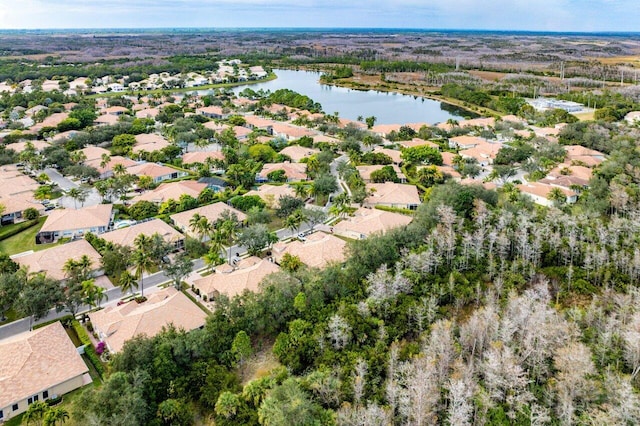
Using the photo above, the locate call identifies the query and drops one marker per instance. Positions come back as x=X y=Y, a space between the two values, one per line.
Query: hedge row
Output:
x=88 y=349
x=10 y=231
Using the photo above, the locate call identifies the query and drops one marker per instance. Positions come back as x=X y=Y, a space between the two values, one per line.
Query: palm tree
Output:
x=127 y=282
x=301 y=191
x=104 y=160
x=200 y=225
x=55 y=416
x=75 y=194
x=141 y=258
x=119 y=170
x=212 y=258
x=294 y=220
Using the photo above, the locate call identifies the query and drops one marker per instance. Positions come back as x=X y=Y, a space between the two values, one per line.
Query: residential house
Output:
x=20 y=147
x=51 y=261
x=365 y=222
x=115 y=110
x=117 y=324
x=391 y=194
x=127 y=236
x=241 y=133
x=365 y=172
x=483 y=153
x=270 y=194
x=213 y=212
x=466 y=142
x=418 y=142
x=316 y=251
x=51 y=121
x=94 y=152
x=36 y=366
x=294 y=172
x=258 y=123
x=157 y=172
x=171 y=191
x=213 y=112
x=233 y=281
x=297 y=152
x=106 y=170
x=16 y=204
x=540 y=193
x=325 y=138
x=202 y=157
x=106 y=120
x=290 y=132
x=148 y=113
x=578 y=154
x=149 y=142
x=70 y=223
x=394 y=154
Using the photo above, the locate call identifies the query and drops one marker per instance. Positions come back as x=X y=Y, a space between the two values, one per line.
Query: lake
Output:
x=387 y=107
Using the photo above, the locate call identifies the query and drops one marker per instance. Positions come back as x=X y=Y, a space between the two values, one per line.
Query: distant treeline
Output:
x=403 y=66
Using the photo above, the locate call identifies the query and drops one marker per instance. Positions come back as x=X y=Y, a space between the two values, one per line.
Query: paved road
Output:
x=62 y=182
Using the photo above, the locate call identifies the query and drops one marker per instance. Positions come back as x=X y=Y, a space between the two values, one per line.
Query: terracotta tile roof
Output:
x=268 y=191
x=35 y=361
x=13 y=183
x=201 y=156
x=482 y=152
x=447 y=158
x=115 y=110
x=318 y=250
x=291 y=131
x=466 y=141
x=86 y=217
x=212 y=212
x=126 y=236
x=94 y=152
x=365 y=171
x=214 y=110
x=107 y=119
x=150 y=169
x=259 y=122
x=19 y=202
x=393 y=153
x=236 y=282
x=293 y=171
x=117 y=324
x=21 y=146
x=542 y=190
x=241 y=132
x=325 y=138
x=365 y=222
x=171 y=191
x=212 y=125
x=418 y=142
x=51 y=121
x=150 y=142
x=115 y=160
x=147 y=113
x=566 y=169
x=297 y=152
x=390 y=193
x=52 y=260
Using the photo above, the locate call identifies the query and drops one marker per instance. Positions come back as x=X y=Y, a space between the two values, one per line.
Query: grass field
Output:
x=24 y=241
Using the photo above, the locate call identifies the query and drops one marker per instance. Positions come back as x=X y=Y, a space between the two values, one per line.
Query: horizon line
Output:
x=364 y=28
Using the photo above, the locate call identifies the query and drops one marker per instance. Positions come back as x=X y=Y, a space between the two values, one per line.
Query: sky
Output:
x=523 y=15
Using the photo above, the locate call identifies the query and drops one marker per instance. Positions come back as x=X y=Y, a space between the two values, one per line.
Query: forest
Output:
x=481 y=311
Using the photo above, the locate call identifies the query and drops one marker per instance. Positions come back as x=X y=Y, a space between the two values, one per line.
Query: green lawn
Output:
x=24 y=241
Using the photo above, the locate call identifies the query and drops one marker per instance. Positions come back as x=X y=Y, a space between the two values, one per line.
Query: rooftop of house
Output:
x=150 y=142
x=396 y=155
x=294 y=171
x=268 y=191
x=22 y=146
x=52 y=260
x=316 y=251
x=392 y=193
x=297 y=152
x=83 y=218
x=168 y=306
x=365 y=171
x=126 y=236
x=150 y=169
x=212 y=212
x=94 y=152
x=171 y=191
x=37 y=360
x=248 y=276
x=369 y=221
x=418 y=142
x=543 y=190
x=201 y=156
x=109 y=166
